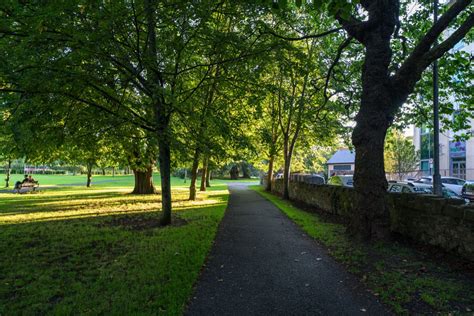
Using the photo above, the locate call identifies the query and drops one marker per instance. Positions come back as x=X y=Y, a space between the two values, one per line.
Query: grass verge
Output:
x=406 y=279
x=100 y=250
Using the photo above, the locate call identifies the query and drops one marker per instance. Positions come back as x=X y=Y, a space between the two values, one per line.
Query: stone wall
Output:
x=425 y=218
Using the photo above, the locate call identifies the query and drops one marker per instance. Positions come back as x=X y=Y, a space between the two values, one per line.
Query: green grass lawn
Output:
x=404 y=278
x=74 y=250
x=46 y=180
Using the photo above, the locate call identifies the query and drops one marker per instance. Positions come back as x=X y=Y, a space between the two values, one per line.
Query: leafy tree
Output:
x=139 y=62
x=400 y=154
x=398 y=47
x=387 y=83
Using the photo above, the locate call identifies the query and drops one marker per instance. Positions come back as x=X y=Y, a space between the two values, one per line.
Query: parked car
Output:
x=314 y=179
x=467 y=191
x=422 y=188
x=455 y=184
x=409 y=187
x=452 y=183
x=425 y=180
x=345 y=181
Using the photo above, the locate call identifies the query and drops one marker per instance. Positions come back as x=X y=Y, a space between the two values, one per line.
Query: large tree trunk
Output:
x=268 y=187
x=7 y=177
x=371 y=216
x=165 y=174
x=194 y=169
x=144 y=181
x=89 y=174
x=203 y=175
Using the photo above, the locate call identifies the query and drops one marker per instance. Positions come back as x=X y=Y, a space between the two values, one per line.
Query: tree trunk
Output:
x=268 y=187
x=286 y=170
x=208 y=176
x=7 y=177
x=371 y=216
x=89 y=175
x=194 y=169
x=144 y=181
x=113 y=171
x=165 y=173
x=103 y=171
x=245 y=170
x=203 y=175
x=234 y=173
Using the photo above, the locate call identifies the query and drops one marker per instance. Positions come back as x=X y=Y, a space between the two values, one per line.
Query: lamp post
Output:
x=437 y=189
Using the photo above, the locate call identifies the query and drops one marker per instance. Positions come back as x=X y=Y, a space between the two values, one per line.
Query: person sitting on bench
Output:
x=19 y=183
x=31 y=180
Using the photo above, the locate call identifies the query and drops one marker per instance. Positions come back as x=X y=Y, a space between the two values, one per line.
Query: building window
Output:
x=342 y=167
x=426 y=146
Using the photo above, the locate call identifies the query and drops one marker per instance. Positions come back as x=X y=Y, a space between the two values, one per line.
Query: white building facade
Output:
x=456 y=157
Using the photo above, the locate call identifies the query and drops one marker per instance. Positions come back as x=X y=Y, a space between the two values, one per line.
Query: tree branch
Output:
x=303 y=37
x=354 y=27
x=422 y=56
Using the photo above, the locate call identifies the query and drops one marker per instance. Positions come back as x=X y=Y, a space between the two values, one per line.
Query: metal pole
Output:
x=437 y=189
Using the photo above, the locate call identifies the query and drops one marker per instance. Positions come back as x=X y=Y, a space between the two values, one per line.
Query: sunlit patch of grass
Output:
x=81 y=202
x=62 y=255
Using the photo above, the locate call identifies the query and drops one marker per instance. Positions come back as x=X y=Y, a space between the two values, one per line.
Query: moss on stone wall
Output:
x=426 y=218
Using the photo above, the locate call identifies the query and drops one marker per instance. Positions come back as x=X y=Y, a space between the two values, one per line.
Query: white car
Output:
x=409 y=187
x=421 y=188
x=452 y=183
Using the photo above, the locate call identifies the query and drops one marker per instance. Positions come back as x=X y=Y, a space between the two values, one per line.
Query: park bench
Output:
x=28 y=185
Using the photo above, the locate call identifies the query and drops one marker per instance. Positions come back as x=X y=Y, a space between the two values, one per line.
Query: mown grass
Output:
x=405 y=279
x=74 y=250
x=47 y=180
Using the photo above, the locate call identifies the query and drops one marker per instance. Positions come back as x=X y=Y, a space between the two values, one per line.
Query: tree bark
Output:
x=245 y=170
x=194 y=169
x=144 y=181
x=288 y=155
x=203 y=175
x=208 y=176
x=165 y=174
x=371 y=217
x=234 y=173
x=286 y=178
x=89 y=174
x=268 y=187
x=7 y=178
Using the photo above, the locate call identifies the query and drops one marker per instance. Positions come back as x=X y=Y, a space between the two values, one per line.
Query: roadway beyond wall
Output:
x=425 y=218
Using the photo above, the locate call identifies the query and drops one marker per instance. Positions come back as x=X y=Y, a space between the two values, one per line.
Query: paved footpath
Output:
x=263 y=264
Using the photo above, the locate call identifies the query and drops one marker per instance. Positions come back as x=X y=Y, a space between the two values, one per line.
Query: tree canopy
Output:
x=179 y=83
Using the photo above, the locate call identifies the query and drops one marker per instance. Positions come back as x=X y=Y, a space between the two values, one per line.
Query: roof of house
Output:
x=342 y=156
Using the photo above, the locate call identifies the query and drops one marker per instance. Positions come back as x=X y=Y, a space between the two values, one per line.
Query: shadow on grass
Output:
x=41 y=203
x=94 y=205
x=108 y=264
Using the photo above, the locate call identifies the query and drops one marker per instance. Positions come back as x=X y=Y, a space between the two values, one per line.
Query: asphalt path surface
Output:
x=262 y=264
